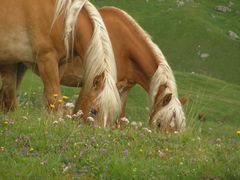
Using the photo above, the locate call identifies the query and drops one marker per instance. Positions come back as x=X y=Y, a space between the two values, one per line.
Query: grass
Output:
x=37 y=145
x=181 y=32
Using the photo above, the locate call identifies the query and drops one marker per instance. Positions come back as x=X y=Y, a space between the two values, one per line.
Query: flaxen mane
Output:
x=99 y=58
x=162 y=76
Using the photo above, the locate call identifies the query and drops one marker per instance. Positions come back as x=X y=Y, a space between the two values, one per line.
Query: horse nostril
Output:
x=93 y=112
x=159 y=125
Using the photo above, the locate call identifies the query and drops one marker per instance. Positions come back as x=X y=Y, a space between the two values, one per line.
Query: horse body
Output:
x=31 y=33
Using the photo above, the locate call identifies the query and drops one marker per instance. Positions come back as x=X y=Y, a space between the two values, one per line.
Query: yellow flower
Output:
x=238 y=132
x=31 y=149
x=141 y=150
x=52 y=106
x=60 y=101
x=65 y=97
x=55 y=95
x=5 y=123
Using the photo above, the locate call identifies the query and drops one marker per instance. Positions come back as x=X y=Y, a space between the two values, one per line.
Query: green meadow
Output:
x=37 y=145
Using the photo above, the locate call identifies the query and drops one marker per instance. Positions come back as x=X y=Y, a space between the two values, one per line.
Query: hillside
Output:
x=184 y=33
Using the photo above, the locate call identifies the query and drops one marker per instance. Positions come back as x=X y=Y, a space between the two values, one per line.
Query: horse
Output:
x=48 y=33
x=139 y=61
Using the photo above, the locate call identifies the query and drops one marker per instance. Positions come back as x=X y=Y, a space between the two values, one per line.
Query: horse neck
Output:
x=147 y=65
x=145 y=62
x=140 y=52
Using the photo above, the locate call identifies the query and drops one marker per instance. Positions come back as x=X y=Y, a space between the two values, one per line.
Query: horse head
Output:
x=98 y=104
x=166 y=109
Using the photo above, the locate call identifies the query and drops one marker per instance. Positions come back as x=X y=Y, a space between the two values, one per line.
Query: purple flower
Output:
x=104 y=151
x=125 y=153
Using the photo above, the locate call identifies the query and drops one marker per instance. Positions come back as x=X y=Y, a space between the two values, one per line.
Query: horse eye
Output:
x=95 y=83
x=93 y=112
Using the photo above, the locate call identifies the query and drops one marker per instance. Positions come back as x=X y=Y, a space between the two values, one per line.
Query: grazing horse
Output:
x=48 y=33
x=139 y=61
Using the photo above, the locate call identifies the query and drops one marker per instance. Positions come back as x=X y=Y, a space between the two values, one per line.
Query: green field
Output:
x=38 y=145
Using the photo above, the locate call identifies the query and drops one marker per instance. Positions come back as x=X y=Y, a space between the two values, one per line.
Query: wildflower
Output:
x=2 y=149
x=60 y=101
x=90 y=119
x=161 y=154
x=60 y=119
x=55 y=122
x=78 y=114
x=69 y=105
x=55 y=95
x=65 y=97
x=104 y=151
x=66 y=169
x=181 y=163
x=125 y=152
x=139 y=124
x=141 y=150
x=134 y=124
x=124 y=119
x=5 y=122
x=238 y=132
x=218 y=140
x=69 y=116
x=45 y=162
x=147 y=130
x=52 y=106
x=31 y=149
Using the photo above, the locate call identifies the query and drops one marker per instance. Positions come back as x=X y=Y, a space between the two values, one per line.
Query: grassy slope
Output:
x=206 y=150
x=179 y=32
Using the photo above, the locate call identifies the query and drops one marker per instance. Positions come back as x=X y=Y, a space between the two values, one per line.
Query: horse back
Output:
x=25 y=27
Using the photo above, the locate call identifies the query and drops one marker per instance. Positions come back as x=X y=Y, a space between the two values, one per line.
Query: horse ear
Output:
x=98 y=81
x=183 y=100
x=167 y=98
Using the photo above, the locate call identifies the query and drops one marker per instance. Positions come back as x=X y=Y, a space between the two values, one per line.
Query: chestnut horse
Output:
x=33 y=35
x=139 y=61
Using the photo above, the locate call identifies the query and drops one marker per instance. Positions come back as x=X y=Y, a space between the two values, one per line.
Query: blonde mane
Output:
x=162 y=76
x=99 y=58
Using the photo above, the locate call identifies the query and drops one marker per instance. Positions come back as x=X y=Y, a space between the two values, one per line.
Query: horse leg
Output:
x=48 y=70
x=124 y=89
x=8 y=98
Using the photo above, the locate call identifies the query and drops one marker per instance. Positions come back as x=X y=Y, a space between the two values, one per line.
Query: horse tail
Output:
x=100 y=60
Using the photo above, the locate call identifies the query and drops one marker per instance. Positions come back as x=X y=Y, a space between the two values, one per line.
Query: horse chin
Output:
x=170 y=119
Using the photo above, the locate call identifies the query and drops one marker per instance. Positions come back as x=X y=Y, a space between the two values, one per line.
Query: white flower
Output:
x=69 y=116
x=124 y=119
x=139 y=124
x=78 y=114
x=69 y=105
x=134 y=124
x=147 y=130
x=55 y=122
x=90 y=119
